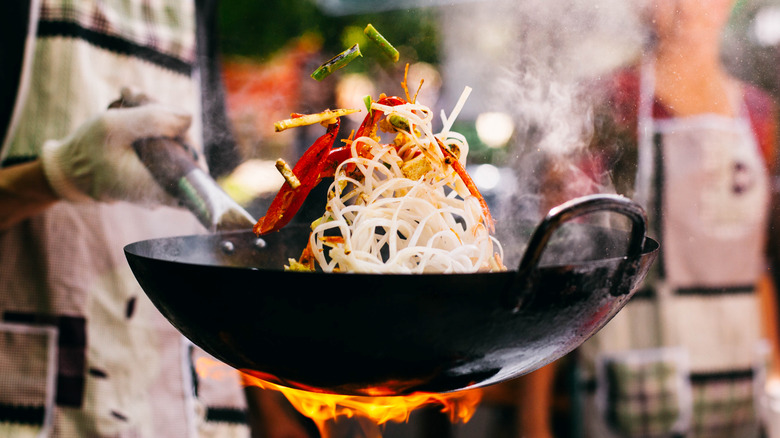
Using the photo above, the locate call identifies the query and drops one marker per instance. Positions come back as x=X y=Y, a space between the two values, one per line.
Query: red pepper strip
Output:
x=452 y=160
x=308 y=169
x=370 y=121
x=339 y=154
x=307 y=257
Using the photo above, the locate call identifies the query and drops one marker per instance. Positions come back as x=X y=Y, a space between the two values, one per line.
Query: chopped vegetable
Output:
x=311 y=168
x=287 y=173
x=367 y=100
x=452 y=160
x=377 y=37
x=404 y=206
x=295 y=265
x=400 y=123
x=337 y=62
x=310 y=119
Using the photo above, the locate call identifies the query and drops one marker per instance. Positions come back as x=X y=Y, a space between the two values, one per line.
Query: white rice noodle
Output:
x=383 y=222
x=448 y=121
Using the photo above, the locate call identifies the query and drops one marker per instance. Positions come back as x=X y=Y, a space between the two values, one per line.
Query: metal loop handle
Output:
x=578 y=207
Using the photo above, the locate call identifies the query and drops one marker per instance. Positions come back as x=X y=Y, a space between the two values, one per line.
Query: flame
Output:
x=208 y=368
x=324 y=408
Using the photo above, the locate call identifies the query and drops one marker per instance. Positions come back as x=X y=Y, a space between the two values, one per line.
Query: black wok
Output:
x=369 y=334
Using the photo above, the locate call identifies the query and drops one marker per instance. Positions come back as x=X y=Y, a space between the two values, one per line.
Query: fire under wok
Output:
x=394 y=334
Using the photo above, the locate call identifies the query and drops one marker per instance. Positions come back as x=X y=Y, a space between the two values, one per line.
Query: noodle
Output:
x=378 y=220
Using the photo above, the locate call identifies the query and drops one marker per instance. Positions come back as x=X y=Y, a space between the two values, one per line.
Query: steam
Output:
x=554 y=116
x=552 y=51
x=558 y=48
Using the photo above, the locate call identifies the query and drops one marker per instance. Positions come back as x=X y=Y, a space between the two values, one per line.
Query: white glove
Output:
x=97 y=161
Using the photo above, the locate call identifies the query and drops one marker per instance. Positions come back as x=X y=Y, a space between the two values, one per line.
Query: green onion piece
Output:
x=295 y=265
x=328 y=116
x=336 y=63
x=368 y=101
x=399 y=122
x=377 y=37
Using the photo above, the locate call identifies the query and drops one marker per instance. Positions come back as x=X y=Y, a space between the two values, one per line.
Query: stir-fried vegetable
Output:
x=337 y=62
x=349 y=55
x=326 y=117
x=287 y=173
x=403 y=206
x=380 y=40
x=309 y=170
x=407 y=205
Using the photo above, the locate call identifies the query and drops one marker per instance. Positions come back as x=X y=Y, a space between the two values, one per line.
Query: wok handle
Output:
x=173 y=165
x=168 y=160
x=581 y=206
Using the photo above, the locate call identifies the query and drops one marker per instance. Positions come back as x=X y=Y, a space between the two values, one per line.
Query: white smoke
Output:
x=560 y=47
x=534 y=59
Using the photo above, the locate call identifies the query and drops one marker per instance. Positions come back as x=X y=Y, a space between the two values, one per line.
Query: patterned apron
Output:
x=685 y=357
x=83 y=352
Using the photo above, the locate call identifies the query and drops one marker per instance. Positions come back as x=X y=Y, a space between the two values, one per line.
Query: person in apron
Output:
x=83 y=352
x=688 y=355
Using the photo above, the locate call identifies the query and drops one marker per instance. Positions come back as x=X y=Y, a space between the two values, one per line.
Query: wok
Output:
x=394 y=334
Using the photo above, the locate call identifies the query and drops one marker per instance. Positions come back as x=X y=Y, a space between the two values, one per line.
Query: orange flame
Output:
x=208 y=368
x=323 y=408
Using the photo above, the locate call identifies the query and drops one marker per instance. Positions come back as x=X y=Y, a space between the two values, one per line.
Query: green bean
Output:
x=377 y=37
x=336 y=62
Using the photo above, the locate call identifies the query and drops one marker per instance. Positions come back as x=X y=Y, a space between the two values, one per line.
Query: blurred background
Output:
x=526 y=62
x=508 y=52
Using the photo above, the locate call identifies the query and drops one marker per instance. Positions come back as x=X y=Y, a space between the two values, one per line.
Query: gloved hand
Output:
x=97 y=161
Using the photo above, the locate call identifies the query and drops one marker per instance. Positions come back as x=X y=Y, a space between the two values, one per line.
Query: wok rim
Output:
x=650 y=246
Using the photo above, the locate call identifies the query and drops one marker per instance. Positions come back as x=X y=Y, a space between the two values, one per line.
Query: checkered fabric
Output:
x=702 y=296
x=120 y=368
x=155 y=24
x=647 y=400
x=86 y=50
x=644 y=398
x=724 y=405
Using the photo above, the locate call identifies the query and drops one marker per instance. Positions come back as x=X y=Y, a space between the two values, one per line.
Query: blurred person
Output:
x=83 y=352
x=687 y=357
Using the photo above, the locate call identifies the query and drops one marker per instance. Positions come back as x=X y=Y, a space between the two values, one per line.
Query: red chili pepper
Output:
x=369 y=123
x=452 y=160
x=319 y=161
x=308 y=170
x=367 y=127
